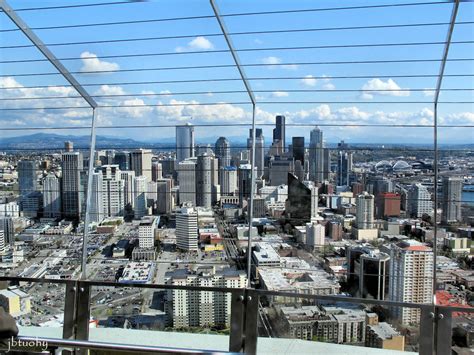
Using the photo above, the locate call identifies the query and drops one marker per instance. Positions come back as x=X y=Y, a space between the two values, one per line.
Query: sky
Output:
x=310 y=95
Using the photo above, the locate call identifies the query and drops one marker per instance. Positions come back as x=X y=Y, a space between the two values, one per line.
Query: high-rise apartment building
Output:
x=222 y=151
x=315 y=235
x=451 y=199
x=187 y=181
x=388 y=205
x=259 y=150
x=184 y=142
x=71 y=198
x=201 y=308
x=419 y=201
x=187 y=229
x=113 y=188
x=365 y=211
x=96 y=208
x=140 y=162
x=411 y=278
x=51 y=196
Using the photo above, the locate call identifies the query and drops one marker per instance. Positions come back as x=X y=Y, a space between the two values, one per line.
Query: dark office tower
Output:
x=326 y=163
x=451 y=199
x=344 y=167
x=279 y=131
x=184 y=142
x=302 y=202
x=164 y=203
x=72 y=166
x=297 y=144
x=259 y=150
x=245 y=182
x=68 y=146
x=156 y=171
x=27 y=176
x=122 y=159
x=222 y=151
x=368 y=271
x=316 y=156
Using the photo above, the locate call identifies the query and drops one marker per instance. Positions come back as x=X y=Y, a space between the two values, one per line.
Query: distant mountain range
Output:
x=53 y=141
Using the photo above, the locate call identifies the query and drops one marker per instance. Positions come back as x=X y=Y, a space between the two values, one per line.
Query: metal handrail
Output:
x=260 y=292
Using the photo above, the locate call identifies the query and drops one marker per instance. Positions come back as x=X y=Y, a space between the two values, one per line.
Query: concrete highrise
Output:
x=187 y=229
x=411 y=278
x=204 y=181
x=27 y=175
x=96 y=208
x=51 y=196
x=259 y=150
x=140 y=162
x=451 y=199
x=184 y=142
x=315 y=235
x=187 y=181
x=365 y=211
x=316 y=156
x=68 y=146
x=419 y=201
x=222 y=151
x=201 y=309
x=279 y=131
x=113 y=188
x=71 y=197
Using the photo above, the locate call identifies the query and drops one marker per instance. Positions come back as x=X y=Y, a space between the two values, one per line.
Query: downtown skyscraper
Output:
x=71 y=198
x=316 y=156
x=184 y=142
x=222 y=151
x=51 y=196
x=140 y=162
x=27 y=170
x=259 y=150
x=279 y=132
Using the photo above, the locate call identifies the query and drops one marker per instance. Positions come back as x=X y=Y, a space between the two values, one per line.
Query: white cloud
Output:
x=165 y=93
x=309 y=80
x=110 y=90
x=198 y=43
x=258 y=41
x=92 y=63
x=377 y=86
x=275 y=63
x=279 y=94
x=428 y=92
x=135 y=110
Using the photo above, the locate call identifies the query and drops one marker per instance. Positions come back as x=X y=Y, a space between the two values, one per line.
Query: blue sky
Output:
x=366 y=106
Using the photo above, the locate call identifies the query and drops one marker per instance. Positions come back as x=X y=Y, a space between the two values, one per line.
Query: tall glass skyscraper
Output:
x=184 y=142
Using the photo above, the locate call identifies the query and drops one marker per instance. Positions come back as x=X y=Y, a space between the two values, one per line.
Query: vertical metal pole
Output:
x=89 y=196
x=228 y=40
x=435 y=138
x=444 y=331
x=251 y=322
x=237 y=313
